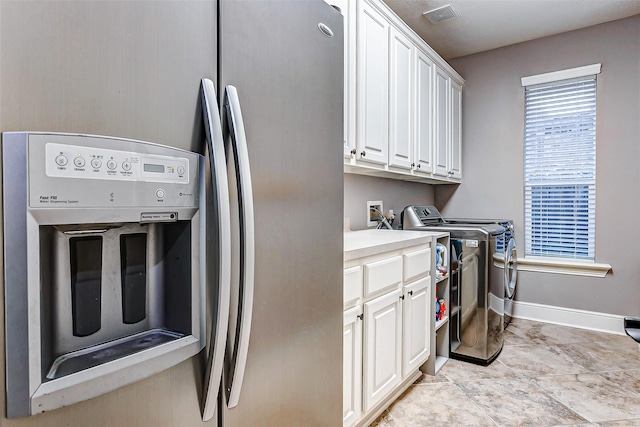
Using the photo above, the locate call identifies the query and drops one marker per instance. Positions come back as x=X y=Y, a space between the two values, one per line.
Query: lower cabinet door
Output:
x=416 y=327
x=352 y=366
x=382 y=347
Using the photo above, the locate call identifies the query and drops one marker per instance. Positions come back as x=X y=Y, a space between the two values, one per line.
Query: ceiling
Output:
x=488 y=24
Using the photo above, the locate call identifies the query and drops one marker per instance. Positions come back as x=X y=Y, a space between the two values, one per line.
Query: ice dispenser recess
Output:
x=86 y=284
x=103 y=281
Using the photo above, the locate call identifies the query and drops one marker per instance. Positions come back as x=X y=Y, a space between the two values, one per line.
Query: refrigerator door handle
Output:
x=218 y=166
x=240 y=342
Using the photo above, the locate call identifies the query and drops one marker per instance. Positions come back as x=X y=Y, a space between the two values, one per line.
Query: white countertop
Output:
x=358 y=244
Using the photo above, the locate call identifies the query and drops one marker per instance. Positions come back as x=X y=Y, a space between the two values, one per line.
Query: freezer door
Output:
x=288 y=75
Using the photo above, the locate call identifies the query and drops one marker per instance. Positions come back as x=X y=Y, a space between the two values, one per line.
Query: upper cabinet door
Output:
x=401 y=101
x=348 y=10
x=442 y=135
x=424 y=108
x=372 y=85
x=455 y=170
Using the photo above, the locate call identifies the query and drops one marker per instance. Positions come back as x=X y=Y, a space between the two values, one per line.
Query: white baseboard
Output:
x=601 y=322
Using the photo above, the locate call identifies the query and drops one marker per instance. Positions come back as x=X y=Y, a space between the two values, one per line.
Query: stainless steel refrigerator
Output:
x=134 y=70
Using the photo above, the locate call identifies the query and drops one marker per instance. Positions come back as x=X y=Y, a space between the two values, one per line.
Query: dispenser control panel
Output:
x=90 y=171
x=73 y=161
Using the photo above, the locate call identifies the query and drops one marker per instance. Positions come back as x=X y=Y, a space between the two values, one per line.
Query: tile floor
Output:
x=546 y=375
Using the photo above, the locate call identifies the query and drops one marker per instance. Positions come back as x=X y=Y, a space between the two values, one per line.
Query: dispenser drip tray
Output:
x=79 y=360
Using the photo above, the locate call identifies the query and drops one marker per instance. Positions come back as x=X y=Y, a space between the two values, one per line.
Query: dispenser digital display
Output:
x=149 y=167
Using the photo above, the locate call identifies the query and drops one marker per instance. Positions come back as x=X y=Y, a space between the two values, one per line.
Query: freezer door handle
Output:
x=238 y=345
x=220 y=186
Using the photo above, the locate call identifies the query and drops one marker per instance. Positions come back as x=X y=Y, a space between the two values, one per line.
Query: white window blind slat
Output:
x=560 y=124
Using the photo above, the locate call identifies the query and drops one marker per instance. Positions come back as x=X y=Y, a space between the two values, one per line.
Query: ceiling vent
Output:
x=441 y=14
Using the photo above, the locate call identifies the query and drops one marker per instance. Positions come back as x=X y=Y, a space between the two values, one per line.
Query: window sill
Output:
x=552 y=265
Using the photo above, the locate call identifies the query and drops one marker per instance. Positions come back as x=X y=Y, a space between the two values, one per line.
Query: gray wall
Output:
x=395 y=195
x=492 y=155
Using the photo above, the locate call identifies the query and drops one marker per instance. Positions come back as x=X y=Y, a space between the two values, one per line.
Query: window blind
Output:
x=560 y=168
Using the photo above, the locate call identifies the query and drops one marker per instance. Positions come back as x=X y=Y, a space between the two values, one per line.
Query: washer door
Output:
x=510 y=269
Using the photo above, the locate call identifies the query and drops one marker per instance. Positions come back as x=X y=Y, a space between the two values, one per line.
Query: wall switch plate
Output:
x=371 y=214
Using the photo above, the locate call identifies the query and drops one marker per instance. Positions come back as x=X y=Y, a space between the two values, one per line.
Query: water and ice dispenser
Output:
x=104 y=264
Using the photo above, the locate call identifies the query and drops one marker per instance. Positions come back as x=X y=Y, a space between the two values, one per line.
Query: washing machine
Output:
x=477 y=291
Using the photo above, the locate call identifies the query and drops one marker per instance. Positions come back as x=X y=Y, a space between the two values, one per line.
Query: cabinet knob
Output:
x=401 y=296
x=413 y=165
x=353 y=151
x=363 y=153
x=419 y=165
x=410 y=292
x=360 y=316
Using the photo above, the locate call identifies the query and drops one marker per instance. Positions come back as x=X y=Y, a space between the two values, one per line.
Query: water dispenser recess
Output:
x=133 y=252
x=103 y=246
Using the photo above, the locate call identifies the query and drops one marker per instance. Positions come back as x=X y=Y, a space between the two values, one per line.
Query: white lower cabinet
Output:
x=387 y=328
x=352 y=366
x=416 y=324
x=382 y=347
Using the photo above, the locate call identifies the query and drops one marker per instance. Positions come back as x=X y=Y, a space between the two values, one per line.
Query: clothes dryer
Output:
x=506 y=248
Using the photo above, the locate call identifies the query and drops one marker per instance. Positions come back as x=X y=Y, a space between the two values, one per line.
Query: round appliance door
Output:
x=510 y=279
x=511 y=269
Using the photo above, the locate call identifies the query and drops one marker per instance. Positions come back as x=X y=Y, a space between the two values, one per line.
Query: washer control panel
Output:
x=74 y=161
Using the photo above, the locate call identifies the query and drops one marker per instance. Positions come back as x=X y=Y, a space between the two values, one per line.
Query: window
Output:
x=560 y=163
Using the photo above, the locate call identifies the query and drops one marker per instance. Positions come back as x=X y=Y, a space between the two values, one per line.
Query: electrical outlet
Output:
x=372 y=214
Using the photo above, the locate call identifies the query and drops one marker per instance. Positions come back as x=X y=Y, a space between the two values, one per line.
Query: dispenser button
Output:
x=96 y=163
x=180 y=170
x=61 y=160
x=111 y=164
x=79 y=162
x=160 y=193
x=126 y=166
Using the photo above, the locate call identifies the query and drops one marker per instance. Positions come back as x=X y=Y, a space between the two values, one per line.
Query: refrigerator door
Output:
x=288 y=72
x=243 y=276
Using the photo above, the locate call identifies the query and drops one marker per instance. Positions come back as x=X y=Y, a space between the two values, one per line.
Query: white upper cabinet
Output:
x=407 y=102
x=349 y=13
x=424 y=109
x=401 y=100
x=441 y=96
x=455 y=143
x=372 y=85
x=448 y=124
